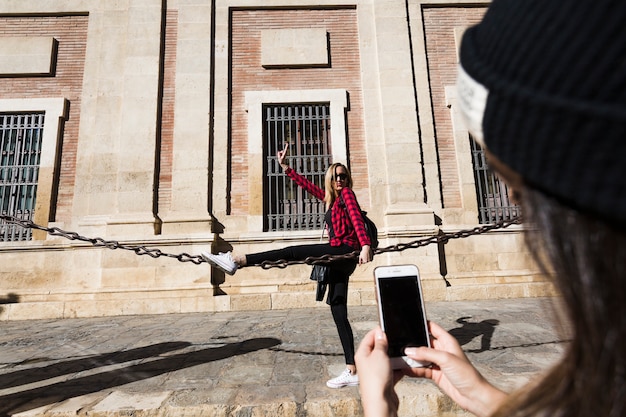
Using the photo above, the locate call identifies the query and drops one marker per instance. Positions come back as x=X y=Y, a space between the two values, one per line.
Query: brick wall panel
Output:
x=439 y=26
x=167 y=120
x=71 y=35
x=249 y=75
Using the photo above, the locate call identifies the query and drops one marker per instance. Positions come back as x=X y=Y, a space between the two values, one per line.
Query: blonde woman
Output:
x=346 y=233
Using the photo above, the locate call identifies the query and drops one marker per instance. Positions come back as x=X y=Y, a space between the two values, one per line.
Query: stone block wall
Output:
x=153 y=148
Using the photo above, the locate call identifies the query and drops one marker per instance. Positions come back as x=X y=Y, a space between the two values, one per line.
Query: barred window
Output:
x=20 y=153
x=492 y=193
x=306 y=129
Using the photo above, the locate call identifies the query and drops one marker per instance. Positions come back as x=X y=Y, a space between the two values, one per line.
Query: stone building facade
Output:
x=154 y=135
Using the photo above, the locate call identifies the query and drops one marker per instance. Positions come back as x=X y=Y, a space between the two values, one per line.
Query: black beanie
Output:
x=543 y=85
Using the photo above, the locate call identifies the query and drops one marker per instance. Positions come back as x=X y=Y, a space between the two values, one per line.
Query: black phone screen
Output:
x=402 y=313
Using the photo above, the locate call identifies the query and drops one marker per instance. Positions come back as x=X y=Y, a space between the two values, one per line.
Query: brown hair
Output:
x=586 y=258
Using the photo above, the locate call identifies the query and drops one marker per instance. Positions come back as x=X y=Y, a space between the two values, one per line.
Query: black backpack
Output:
x=370 y=227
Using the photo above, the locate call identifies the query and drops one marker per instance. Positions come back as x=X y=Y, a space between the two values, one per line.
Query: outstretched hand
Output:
x=280 y=155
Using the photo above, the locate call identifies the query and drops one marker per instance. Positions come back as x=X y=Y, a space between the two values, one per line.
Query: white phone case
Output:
x=401 y=311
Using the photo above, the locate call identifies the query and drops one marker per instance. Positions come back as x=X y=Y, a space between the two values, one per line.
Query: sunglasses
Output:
x=341 y=177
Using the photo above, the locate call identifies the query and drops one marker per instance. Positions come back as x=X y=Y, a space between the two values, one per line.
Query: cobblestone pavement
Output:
x=261 y=363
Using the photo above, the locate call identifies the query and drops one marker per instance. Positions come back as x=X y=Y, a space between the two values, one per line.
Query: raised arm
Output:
x=280 y=155
x=302 y=182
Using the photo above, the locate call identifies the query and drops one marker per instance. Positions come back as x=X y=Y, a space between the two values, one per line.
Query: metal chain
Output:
x=439 y=238
x=99 y=242
x=311 y=260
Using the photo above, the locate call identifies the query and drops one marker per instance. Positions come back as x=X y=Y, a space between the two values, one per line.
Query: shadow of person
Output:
x=10 y=298
x=30 y=375
x=38 y=397
x=469 y=331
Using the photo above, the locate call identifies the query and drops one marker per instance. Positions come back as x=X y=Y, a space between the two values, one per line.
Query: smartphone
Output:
x=401 y=312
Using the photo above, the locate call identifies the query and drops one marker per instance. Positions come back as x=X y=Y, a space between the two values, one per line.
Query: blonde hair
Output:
x=329 y=183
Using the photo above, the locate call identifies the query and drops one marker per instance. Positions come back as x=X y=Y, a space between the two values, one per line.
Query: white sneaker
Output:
x=346 y=379
x=223 y=261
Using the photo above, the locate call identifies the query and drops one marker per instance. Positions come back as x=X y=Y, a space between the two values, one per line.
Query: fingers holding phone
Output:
x=376 y=375
x=453 y=372
x=401 y=312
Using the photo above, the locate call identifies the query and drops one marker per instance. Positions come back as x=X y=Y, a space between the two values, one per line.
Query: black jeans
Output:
x=337 y=284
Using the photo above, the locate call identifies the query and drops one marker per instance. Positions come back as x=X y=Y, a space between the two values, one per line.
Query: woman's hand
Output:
x=376 y=378
x=454 y=374
x=451 y=371
x=366 y=254
x=280 y=155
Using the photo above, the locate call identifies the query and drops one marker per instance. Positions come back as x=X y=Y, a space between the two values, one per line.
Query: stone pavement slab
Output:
x=254 y=363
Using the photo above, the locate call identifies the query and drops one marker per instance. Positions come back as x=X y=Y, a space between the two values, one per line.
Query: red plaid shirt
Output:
x=347 y=220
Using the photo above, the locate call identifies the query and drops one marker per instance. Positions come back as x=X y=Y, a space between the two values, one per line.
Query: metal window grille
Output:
x=493 y=194
x=20 y=153
x=306 y=128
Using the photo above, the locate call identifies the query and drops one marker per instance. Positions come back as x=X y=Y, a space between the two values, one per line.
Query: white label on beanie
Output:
x=472 y=100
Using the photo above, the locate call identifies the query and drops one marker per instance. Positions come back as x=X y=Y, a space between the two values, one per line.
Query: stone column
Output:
x=393 y=137
x=221 y=149
x=188 y=211
x=116 y=150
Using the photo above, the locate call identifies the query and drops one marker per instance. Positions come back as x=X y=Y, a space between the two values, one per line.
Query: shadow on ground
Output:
x=57 y=392
x=469 y=331
x=485 y=329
